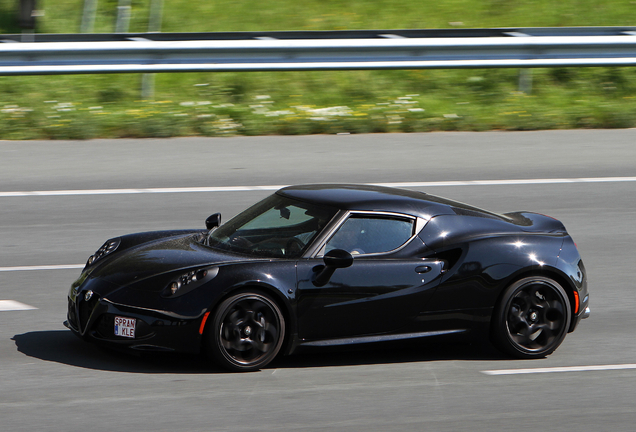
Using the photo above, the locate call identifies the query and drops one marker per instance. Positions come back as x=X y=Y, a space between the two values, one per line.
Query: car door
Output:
x=380 y=292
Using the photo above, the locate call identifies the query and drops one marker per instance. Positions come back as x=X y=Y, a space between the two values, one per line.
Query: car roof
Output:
x=374 y=198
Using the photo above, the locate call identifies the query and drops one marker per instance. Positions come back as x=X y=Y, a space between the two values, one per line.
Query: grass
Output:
x=256 y=103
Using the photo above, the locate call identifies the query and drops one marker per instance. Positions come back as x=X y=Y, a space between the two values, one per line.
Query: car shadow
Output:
x=61 y=346
x=422 y=350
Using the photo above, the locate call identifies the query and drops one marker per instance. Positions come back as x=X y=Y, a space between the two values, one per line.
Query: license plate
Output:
x=125 y=327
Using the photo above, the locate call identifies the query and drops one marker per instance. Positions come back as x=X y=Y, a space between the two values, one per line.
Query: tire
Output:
x=246 y=333
x=532 y=318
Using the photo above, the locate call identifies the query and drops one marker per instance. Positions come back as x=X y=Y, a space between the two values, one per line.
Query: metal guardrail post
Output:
x=122 y=23
x=525 y=81
x=27 y=14
x=155 y=17
x=154 y=25
x=88 y=16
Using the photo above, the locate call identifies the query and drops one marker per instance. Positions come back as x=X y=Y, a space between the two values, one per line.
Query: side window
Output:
x=363 y=234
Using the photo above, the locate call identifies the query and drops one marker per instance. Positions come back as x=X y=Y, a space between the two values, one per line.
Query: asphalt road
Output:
x=52 y=381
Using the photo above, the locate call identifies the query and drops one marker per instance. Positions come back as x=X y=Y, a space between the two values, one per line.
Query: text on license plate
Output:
x=125 y=326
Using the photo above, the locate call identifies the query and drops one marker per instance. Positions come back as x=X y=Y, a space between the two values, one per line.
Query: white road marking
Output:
x=12 y=305
x=560 y=369
x=512 y=182
x=140 y=191
x=276 y=187
x=42 y=267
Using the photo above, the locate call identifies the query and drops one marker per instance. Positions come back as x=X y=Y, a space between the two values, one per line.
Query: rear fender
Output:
x=487 y=265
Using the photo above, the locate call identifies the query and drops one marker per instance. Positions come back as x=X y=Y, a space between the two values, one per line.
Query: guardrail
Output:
x=329 y=50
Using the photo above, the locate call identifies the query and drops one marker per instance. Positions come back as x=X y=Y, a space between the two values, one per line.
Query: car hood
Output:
x=158 y=257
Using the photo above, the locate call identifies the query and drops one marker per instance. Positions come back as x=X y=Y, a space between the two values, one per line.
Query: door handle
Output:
x=423 y=269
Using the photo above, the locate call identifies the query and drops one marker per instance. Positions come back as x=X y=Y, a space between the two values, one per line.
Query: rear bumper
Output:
x=586 y=313
x=583 y=314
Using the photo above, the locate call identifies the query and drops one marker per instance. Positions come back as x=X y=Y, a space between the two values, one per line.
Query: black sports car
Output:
x=321 y=265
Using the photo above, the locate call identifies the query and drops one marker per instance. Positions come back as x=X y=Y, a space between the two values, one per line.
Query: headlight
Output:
x=109 y=247
x=190 y=280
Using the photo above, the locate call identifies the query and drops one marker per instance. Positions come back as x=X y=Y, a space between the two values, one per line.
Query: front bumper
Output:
x=93 y=320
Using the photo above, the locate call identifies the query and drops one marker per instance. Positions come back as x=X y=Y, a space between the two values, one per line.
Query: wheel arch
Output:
x=261 y=288
x=549 y=272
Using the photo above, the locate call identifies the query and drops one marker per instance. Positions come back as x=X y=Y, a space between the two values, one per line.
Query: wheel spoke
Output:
x=261 y=346
x=547 y=335
x=270 y=332
x=230 y=331
x=516 y=319
x=547 y=328
x=234 y=319
x=517 y=312
x=522 y=337
x=245 y=345
x=537 y=297
x=237 y=344
x=523 y=299
x=555 y=306
x=231 y=340
x=258 y=320
x=554 y=323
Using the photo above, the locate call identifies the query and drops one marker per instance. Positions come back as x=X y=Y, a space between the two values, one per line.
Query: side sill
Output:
x=377 y=338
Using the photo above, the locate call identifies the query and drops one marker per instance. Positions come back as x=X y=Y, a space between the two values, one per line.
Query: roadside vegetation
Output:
x=257 y=103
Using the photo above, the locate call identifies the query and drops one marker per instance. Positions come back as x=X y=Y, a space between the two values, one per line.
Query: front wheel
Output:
x=532 y=318
x=246 y=333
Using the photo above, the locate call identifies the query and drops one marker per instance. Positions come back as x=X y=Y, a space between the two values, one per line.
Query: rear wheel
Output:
x=532 y=318
x=247 y=332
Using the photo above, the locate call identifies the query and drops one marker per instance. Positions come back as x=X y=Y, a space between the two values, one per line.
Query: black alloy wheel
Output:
x=247 y=332
x=532 y=318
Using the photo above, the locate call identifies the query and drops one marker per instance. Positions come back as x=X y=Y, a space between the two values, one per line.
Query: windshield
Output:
x=276 y=227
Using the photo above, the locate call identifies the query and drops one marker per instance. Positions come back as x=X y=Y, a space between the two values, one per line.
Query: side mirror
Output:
x=213 y=221
x=334 y=259
x=338 y=258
